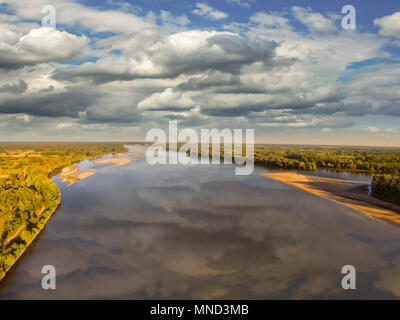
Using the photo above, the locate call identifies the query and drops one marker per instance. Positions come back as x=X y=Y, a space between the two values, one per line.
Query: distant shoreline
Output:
x=349 y=194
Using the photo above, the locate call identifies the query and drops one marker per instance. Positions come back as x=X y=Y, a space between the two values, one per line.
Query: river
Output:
x=181 y=232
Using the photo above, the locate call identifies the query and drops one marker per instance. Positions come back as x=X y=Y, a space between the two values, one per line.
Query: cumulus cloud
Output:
x=173 y=23
x=67 y=103
x=167 y=100
x=151 y=54
x=210 y=80
x=75 y=14
x=314 y=21
x=389 y=25
x=270 y=20
x=40 y=45
x=262 y=73
x=204 y=10
x=241 y=3
x=371 y=129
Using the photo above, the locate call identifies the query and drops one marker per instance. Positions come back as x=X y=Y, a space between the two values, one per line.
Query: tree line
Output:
x=351 y=159
x=383 y=163
x=386 y=187
x=27 y=195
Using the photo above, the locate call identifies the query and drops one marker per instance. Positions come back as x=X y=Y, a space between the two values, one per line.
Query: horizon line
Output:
x=256 y=143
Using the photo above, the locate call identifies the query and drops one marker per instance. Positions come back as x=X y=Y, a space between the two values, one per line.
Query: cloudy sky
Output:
x=112 y=70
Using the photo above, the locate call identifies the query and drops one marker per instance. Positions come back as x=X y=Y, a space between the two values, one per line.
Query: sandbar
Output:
x=74 y=178
x=131 y=155
x=117 y=161
x=348 y=193
x=70 y=170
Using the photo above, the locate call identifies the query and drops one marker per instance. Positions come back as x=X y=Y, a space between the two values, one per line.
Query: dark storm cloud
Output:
x=58 y=104
x=188 y=121
x=231 y=112
x=112 y=115
x=249 y=90
x=244 y=100
x=194 y=121
x=12 y=62
x=171 y=109
x=390 y=107
x=95 y=76
x=305 y=120
x=245 y=108
x=16 y=88
x=174 y=117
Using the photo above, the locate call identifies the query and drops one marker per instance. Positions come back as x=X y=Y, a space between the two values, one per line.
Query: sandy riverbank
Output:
x=131 y=155
x=74 y=178
x=69 y=170
x=350 y=194
x=116 y=161
x=72 y=174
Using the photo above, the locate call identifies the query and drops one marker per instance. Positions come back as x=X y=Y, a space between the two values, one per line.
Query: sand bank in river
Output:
x=72 y=174
x=351 y=194
x=74 y=178
x=131 y=155
x=70 y=170
x=117 y=161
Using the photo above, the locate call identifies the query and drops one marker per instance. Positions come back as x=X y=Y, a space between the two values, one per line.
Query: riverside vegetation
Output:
x=386 y=187
x=27 y=195
x=382 y=163
x=364 y=160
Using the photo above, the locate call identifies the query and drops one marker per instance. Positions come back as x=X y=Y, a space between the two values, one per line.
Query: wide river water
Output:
x=180 y=232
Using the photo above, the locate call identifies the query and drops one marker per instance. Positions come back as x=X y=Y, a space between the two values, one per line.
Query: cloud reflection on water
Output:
x=174 y=232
